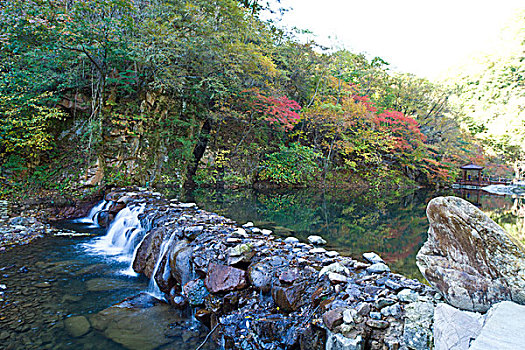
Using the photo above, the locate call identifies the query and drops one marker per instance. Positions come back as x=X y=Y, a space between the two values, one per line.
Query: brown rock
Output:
x=288 y=299
x=469 y=258
x=333 y=318
x=222 y=278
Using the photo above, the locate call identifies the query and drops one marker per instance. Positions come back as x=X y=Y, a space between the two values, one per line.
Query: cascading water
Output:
x=153 y=288
x=122 y=237
x=91 y=218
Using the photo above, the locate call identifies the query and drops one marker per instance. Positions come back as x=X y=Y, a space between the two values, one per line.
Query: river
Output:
x=55 y=278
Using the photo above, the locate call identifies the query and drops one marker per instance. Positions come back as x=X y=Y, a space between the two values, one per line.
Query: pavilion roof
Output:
x=472 y=166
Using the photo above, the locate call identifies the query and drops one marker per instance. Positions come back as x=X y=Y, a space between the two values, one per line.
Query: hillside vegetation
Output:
x=173 y=92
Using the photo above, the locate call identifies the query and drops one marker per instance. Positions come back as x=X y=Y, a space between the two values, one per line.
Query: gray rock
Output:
x=195 y=291
x=335 y=268
x=417 y=333
x=378 y=268
x=393 y=285
x=125 y=322
x=77 y=326
x=340 y=342
x=373 y=258
x=349 y=316
x=504 y=328
x=392 y=310
x=337 y=278
x=407 y=296
x=317 y=250
x=469 y=258
x=375 y=315
x=239 y=249
x=192 y=232
x=316 y=240
x=455 y=329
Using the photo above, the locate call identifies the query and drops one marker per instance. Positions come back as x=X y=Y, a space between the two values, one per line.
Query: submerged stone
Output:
x=77 y=326
x=138 y=323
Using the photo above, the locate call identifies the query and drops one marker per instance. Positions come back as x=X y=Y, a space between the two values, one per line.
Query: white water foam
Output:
x=153 y=288
x=121 y=239
x=91 y=218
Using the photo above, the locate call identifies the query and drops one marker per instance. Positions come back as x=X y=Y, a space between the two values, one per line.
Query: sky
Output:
x=422 y=37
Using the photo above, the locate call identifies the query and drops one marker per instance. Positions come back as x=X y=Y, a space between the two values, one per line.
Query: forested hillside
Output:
x=173 y=92
x=490 y=96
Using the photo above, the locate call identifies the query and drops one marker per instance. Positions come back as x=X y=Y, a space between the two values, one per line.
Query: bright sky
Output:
x=417 y=36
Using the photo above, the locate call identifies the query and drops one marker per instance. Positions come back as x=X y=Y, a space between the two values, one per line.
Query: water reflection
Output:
x=394 y=225
x=507 y=211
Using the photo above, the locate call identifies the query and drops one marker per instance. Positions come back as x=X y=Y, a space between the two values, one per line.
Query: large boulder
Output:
x=455 y=329
x=504 y=328
x=469 y=258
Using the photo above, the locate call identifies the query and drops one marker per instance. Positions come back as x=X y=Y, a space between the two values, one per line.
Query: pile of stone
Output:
x=22 y=229
x=258 y=291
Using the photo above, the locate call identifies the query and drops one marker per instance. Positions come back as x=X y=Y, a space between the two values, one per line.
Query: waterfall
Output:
x=91 y=218
x=153 y=288
x=122 y=236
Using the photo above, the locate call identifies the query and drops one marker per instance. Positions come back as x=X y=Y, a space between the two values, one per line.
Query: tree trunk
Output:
x=198 y=152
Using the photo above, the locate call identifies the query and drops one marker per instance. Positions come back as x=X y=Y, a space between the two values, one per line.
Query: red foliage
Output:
x=365 y=101
x=276 y=110
x=405 y=130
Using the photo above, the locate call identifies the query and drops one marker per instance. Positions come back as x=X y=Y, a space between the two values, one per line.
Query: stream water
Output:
x=56 y=278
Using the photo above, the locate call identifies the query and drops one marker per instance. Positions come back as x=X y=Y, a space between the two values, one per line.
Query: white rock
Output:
x=317 y=250
x=336 y=268
x=332 y=253
x=373 y=258
x=454 y=329
x=316 y=240
x=291 y=240
x=242 y=232
x=337 y=277
x=248 y=224
x=504 y=328
x=255 y=229
x=266 y=232
x=338 y=341
x=348 y=316
x=187 y=205
x=407 y=295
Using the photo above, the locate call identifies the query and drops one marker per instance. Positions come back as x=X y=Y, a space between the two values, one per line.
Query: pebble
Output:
x=378 y=268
